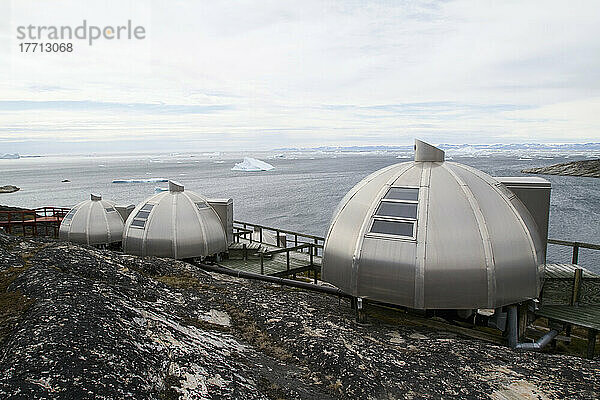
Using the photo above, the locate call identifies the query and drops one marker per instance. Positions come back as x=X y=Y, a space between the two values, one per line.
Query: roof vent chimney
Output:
x=426 y=152
x=95 y=197
x=175 y=186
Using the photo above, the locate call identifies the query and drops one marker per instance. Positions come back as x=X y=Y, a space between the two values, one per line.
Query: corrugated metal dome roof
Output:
x=434 y=234
x=177 y=224
x=93 y=221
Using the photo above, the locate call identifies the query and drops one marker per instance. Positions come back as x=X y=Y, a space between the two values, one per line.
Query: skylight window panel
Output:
x=138 y=223
x=399 y=193
x=398 y=210
x=399 y=228
x=142 y=214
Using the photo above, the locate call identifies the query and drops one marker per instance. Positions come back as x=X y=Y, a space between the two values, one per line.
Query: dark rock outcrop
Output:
x=77 y=322
x=589 y=168
x=9 y=189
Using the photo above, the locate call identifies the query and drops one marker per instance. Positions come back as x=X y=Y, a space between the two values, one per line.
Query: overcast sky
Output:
x=236 y=75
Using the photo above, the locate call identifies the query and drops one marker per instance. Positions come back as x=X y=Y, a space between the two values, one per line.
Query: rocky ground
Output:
x=76 y=322
x=577 y=168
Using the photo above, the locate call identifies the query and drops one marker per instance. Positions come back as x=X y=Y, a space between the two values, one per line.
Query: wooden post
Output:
x=575 y=295
x=287 y=261
x=576 y=286
x=34 y=232
x=575 y=254
x=592 y=333
x=244 y=252
x=278 y=244
x=55 y=224
x=313 y=265
x=260 y=235
x=296 y=240
x=262 y=263
x=316 y=248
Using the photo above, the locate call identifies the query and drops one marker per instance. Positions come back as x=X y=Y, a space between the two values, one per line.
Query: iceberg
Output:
x=252 y=165
x=147 y=180
x=8 y=156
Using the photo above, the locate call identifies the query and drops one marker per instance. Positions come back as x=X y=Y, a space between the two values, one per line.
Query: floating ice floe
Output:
x=8 y=156
x=158 y=189
x=146 y=180
x=252 y=165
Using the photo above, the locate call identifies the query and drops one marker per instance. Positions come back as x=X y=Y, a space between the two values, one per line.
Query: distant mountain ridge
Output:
x=592 y=146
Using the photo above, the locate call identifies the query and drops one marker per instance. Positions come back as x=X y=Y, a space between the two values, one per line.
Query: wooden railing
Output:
x=282 y=237
x=34 y=222
x=576 y=246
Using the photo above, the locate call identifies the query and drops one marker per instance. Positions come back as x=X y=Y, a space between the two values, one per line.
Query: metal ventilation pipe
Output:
x=273 y=279
x=513 y=334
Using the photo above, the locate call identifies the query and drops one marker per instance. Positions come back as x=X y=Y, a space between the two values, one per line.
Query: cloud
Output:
x=256 y=73
x=98 y=106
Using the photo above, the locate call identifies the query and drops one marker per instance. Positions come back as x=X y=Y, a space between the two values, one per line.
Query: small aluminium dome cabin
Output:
x=432 y=234
x=177 y=224
x=93 y=221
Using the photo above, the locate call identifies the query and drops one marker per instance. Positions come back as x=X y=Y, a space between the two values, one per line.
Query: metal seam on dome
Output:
x=144 y=230
x=105 y=215
x=174 y=223
x=422 y=216
x=510 y=205
x=77 y=208
x=367 y=220
x=87 y=224
x=488 y=251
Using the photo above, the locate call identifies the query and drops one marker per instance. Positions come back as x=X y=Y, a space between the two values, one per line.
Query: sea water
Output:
x=299 y=194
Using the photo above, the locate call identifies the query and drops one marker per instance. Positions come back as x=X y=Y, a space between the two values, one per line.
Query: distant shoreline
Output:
x=588 y=168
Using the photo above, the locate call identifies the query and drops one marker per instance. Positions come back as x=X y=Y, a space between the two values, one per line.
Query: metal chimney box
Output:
x=124 y=211
x=224 y=208
x=534 y=192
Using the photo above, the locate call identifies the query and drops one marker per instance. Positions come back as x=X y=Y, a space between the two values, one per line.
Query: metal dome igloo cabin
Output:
x=176 y=224
x=94 y=221
x=433 y=234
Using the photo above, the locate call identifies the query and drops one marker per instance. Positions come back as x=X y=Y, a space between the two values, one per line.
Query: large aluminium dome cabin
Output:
x=177 y=224
x=432 y=234
x=93 y=221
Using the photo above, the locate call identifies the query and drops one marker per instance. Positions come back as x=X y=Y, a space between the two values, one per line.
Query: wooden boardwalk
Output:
x=566 y=271
x=273 y=264
x=571 y=295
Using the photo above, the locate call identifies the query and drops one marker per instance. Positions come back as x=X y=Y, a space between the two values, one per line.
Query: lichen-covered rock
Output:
x=589 y=168
x=97 y=324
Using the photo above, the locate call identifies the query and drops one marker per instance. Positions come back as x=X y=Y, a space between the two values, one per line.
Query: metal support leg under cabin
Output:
x=592 y=333
x=361 y=315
